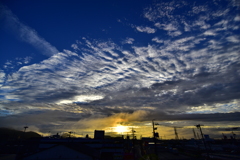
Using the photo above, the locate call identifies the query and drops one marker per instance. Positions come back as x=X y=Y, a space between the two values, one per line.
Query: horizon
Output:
x=183 y=133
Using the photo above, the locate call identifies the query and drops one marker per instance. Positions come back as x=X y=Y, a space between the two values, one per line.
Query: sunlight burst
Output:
x=121 y=129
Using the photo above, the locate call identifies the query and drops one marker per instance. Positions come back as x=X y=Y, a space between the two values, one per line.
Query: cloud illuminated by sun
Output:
x=81 y=98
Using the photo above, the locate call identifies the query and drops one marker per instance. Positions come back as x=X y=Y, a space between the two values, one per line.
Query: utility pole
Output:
x=154 y=137
x=153 y=128
x=133 y=135
x=133 y=142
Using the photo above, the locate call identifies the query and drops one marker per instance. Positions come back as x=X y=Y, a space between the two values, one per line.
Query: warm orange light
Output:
x=121 y=129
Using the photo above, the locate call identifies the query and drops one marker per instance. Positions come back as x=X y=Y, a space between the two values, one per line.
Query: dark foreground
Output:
x=42 y=148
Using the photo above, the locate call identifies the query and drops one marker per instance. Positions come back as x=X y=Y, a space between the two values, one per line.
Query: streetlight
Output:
x=25 y=128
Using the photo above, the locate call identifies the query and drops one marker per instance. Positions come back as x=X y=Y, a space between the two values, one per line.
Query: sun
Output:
x=121 y=129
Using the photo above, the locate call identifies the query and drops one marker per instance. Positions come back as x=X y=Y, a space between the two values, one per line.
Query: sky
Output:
x=116 y=65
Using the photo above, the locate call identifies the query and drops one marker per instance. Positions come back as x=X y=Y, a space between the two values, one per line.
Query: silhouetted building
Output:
x=99 y=134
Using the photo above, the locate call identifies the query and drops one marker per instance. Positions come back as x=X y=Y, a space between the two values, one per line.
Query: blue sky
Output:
x=68 y=65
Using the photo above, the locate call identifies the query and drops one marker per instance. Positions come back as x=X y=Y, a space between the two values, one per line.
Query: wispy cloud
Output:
x=26 y=33
x=148 y=30
x=2 y=77
x=234 y=39
x=157 y=40
x=202 y=24
x=128 y=41
x=209 y=33
x=237 y=18
x=167 y=27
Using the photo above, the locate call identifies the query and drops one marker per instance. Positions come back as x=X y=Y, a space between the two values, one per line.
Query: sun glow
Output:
x=121 y=129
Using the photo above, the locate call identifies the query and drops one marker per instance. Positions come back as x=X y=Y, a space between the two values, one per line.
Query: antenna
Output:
x=133 y=131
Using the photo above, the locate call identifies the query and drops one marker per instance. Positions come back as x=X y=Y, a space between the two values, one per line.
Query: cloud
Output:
x=217 y=108
x=61 y=121
x=209 y=33
x=172 y=28
x=81 y=99
x=128 y=41
x=201 y=23
x=174 y=34
x=26 y=33
x=157 y=40
x=237 y=18
x=43 y=120
x=104 y=69
x=146 y=29
x=167 y=27
x=17 y=62
x=75 y=47
x=163 y=10
x=236 y=3
x=233 y=39
x=199 y=9
x=2 y=77
x=113 y=120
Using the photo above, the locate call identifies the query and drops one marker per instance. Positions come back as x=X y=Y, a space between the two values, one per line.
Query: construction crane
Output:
x=233 y=134
x=199 y=127
x=195 y=137
x=176 y=133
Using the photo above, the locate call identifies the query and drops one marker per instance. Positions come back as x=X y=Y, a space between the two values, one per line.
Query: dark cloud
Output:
x=204 y=88
x=62 y=120
x=42 y=121
x=216 y=117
